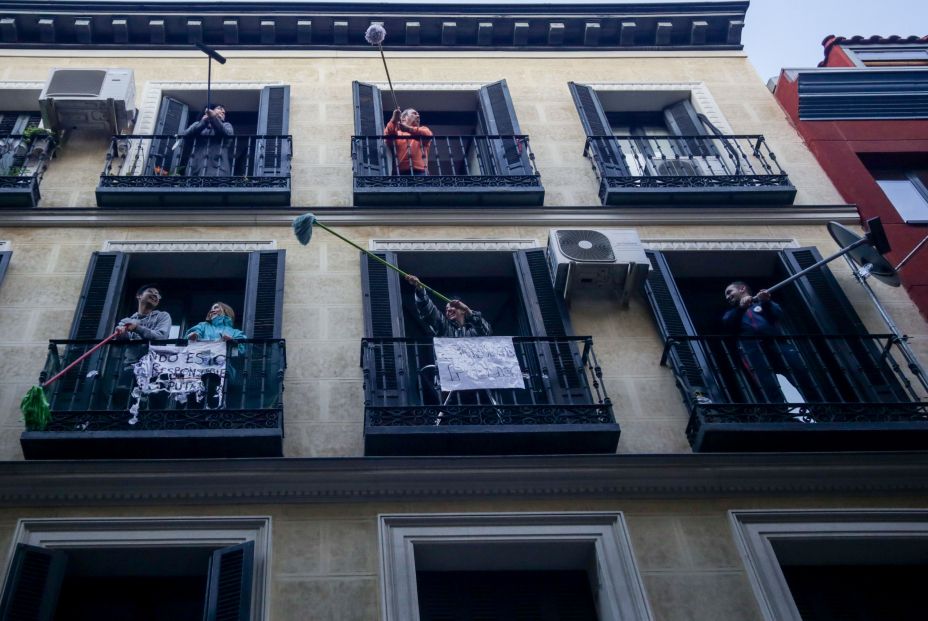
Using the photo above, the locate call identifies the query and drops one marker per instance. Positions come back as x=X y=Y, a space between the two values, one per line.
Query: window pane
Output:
x=906 y=198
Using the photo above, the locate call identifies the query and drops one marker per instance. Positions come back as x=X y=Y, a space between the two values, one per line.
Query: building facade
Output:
x=595 y=177
x=862 y=113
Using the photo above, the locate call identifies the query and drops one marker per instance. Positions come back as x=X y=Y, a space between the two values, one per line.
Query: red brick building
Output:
x=864 y=114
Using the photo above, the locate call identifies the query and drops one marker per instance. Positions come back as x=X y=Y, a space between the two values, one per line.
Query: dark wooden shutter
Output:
x=497 y=116
x=229 y=584
x=14 y=123
x=95 y=316
x=383 y=318
x=833 y=314
x=264 y=294
x=368 y=127
x=547 y=316
x=4 y=263
x=682 y=120
x=172 y=120
x=272 y=156
x=605 y=149
x=690 y=360
x=33 y=584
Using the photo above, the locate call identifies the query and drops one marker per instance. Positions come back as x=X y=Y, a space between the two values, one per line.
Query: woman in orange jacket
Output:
x=412 y=142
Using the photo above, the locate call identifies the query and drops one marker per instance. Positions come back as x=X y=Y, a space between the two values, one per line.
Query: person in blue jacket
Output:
x=218 y=326
x=763 y=359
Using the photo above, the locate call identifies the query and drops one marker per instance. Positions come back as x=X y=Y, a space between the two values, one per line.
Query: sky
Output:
x=789 y=33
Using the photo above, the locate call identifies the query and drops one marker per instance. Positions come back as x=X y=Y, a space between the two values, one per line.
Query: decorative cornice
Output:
x=456 y=245
x=251 y=481
x=188 y=246
x=91 y=217
x=719 y=244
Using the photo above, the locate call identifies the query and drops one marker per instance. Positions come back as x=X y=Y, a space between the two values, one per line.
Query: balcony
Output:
x=462 y=170
x=23 y=160
x=205 y=171
x=91 y=415
x=680 y=171
x=853 y=393
x=563 y=409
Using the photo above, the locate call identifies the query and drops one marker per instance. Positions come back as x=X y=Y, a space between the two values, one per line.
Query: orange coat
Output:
x=415 y=150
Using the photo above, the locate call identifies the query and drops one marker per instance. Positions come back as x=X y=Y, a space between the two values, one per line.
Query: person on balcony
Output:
x=763 y=359
x=209 y=156
x=218 y=326
x=410 y=148
x=147 y=323
x=458 y=320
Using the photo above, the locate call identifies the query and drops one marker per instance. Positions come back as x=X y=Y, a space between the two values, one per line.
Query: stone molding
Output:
x=312 y=480
x=701 y=97
x=20 y=85
x=188 y=246
x=5 y=245
x=432 y=86
x=719 y=244
x=454 y=245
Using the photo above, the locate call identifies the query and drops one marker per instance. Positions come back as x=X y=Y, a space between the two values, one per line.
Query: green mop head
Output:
x=34 y=407
x=303 y=227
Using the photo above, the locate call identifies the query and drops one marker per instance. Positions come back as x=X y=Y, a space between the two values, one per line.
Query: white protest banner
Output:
x=179 y=369
x=477 y=363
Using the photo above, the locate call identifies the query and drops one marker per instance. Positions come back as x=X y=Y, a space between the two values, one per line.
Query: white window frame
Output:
x=756 y=532
x=120 y=533
x=908 y=214
x=476 y=537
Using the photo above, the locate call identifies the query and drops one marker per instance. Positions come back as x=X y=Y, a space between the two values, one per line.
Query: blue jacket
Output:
x=213 y=329
x=750 y=322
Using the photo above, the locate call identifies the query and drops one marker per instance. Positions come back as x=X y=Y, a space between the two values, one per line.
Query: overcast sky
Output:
x=789 y=33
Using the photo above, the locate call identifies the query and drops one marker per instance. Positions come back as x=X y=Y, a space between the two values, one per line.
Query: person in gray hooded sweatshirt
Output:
x=210 y=155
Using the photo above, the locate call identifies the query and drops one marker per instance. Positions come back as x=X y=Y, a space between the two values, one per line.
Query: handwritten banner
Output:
x=179 y=370
x=486 y=362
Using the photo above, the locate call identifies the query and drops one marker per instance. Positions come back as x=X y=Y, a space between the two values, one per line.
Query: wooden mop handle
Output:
x=81 y=358
x=387 y=263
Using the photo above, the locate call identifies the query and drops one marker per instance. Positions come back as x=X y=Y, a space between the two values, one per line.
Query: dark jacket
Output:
x=749 y=322
x=210 y=148
x=439 y=325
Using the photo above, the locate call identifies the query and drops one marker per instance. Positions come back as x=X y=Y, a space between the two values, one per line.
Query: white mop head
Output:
x=375 y=34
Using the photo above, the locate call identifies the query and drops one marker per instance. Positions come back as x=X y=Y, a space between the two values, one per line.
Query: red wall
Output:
x=836 y=145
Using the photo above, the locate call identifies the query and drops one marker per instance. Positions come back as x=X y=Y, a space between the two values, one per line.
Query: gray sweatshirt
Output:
x=154 y=326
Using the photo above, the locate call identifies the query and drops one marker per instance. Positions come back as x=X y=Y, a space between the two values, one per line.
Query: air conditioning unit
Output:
x=94 y=99
x=606 y=259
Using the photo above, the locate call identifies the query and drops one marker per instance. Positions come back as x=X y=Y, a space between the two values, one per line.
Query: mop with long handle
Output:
x=375 y=34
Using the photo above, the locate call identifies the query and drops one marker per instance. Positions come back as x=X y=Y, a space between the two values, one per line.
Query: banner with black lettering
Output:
x=192 y=372
x=477 y=363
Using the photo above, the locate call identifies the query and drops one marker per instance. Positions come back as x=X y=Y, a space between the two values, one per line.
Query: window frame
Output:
x=857 y=54
x=6 y=256
x=918 y=185
x=621 y=594
x=755 y=532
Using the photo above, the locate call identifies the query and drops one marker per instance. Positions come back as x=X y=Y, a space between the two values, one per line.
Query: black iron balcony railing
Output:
x=23 y=160
x=98 y=410
x=803 y=392
x=564 y=407
x=497 y=169
x=197 y=170
x=716 y=168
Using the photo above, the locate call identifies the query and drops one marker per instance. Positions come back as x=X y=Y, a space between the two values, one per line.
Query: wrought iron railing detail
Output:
x=562 y=377
x=23 y=161
x=97 y=394
x=656 y=162
x=840 y=379
x=168 y=161
x=446 y=162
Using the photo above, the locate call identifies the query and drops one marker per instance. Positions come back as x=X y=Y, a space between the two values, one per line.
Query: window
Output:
x=177 y=568
x=585 y=557
x=889 y=56
x=829 y=565
x=13 y=150
x=903 y=177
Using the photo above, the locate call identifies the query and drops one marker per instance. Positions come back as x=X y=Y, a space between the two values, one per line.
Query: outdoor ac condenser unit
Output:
x=100 y=99
x=608 y=259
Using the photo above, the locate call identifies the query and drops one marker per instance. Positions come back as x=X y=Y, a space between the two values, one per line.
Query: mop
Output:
x=303 y=228
x=375 y=35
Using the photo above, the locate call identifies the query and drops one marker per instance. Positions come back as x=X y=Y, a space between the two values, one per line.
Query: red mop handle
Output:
x=84 y=355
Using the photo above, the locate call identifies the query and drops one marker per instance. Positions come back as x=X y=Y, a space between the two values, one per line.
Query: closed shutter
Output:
x=547 y=317
x=95 y=316
x=682 y=120
x=4 y=263
x=172 y=121
x=604 y=147
x=383 y=319
x=229 y=583
x=33 y=584
x=870 y=379
x=497 y=116
x=272 y=156
x=264 y=293
x=690 y=360
x=368 y=146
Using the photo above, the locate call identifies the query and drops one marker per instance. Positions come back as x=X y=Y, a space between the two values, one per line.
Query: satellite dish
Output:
x=867 y=255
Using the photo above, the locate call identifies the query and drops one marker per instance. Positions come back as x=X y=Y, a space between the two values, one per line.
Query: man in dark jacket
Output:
x=210 y=150
x=457 y=321
x=763 y=358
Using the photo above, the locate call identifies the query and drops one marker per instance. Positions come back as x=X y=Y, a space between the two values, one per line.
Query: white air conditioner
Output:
x=607 y=259
x=96 y=99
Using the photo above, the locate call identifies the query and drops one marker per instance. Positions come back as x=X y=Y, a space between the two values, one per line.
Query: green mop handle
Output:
x=81 y=358
x=388 y=264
